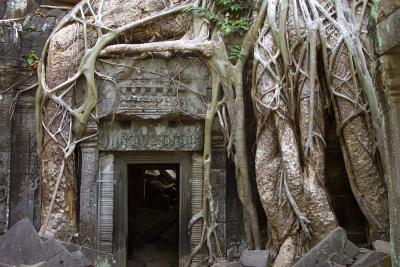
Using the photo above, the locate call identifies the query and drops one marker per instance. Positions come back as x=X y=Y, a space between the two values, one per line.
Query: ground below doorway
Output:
x=153 y=215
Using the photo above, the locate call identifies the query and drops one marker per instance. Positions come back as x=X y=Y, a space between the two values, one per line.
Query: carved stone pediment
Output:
x=153 y=88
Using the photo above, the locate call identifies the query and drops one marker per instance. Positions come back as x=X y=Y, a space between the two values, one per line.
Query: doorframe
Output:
x=122 y=160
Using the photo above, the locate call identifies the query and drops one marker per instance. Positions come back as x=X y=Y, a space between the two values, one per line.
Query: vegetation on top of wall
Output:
x=232 y=17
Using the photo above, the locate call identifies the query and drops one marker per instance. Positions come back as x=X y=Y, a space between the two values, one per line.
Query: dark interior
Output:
x=153 y=215
x=344 y=204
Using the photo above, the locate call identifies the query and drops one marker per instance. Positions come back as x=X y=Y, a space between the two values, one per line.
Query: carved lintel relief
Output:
x=149 y=135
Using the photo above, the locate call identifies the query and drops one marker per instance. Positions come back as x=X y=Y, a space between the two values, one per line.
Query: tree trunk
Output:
x=289 y=105
x=354 y=127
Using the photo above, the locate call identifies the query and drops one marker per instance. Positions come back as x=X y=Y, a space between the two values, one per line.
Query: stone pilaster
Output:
x=5 y=154
x=390 y=69
x=105 y=210
x=87 y=213
x=197 y=202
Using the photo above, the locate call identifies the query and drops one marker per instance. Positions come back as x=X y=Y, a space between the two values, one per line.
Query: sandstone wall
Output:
x=386 y=16
x=24 y=28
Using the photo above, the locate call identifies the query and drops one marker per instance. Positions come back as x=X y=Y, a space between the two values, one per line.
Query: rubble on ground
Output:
x=248 y=258
x=336 y=250
x=22 y=245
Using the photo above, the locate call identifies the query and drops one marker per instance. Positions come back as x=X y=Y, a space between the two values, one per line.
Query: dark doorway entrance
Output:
x=153 y=215
x=344 y=204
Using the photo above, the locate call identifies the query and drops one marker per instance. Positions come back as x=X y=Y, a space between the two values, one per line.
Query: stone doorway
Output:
x=153 y=215
x=150 y=236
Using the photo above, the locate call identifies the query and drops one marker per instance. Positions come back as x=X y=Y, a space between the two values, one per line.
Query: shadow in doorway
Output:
x=153 y=215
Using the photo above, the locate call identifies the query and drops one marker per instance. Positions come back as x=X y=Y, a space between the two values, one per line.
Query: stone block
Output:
x=21 y=245
x=331 y=248
x=51 y=248
x=227 y=264
x=387 y=7
x=40 y=264
x=255 y=258
x=331 y=264
x=388 y=32
x=56 y=13
x=381 y=246
x=232 y=253
x=350 y=249
x=373 y=259
x=64 y=258
x=91 y=255
x=16 y=9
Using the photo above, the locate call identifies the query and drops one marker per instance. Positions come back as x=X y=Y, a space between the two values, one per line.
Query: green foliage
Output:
x=31 y=57
x=234 y=6
x=235 y=52
x=30 y=28
x=231 y=18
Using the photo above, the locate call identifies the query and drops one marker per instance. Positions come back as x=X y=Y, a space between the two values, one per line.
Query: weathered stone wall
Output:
x=25 y=34
x=386 y=15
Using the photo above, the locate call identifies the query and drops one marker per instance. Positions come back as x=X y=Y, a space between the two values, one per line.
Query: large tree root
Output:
x=289 y=104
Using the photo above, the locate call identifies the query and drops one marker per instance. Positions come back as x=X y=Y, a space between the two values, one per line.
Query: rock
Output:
x=387 y=7
x=40 y=264
x=21 y=245
x=51 y=248
x=388 y=33
x=91 y=255
x=254 y=258
x=64 y=258
x=56 y=13
x=334 y=248
x=372 y=259
x=331 y=264
x=233 y=253
x=381 y=246
x=230 y=253
x=227 y=264
x=16 y=9
x=350 y=249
